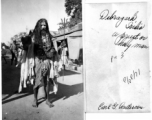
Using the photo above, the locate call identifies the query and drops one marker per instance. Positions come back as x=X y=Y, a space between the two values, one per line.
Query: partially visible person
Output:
x=4 y=53
x=20 y=56
x=54 y=71
x=64 y=53
x=26 y=60
x=13 y=49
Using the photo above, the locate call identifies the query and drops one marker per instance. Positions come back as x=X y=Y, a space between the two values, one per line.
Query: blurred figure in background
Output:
x=4 y=53
x=13 y=49
x=64 y=53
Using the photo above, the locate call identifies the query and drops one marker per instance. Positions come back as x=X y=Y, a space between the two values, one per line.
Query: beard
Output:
x=44 y=36
x=43 y=32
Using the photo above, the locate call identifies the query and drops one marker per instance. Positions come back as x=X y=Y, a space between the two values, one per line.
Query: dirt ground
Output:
x=68 y=102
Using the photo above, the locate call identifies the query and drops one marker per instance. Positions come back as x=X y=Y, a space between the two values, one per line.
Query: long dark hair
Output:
x=37 y=31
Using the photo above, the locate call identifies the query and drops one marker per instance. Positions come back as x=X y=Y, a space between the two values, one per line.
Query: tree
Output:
x=74 y=10
x=3 y=44
x=63 y=24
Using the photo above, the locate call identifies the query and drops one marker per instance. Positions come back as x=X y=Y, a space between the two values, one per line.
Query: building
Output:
x=73 y=38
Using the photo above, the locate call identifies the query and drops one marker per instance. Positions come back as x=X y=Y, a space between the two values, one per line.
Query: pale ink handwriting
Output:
x=113 y=57
x=131 y=77
x=122 y=55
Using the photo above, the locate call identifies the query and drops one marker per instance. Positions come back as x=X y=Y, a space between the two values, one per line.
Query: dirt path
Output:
x=68 y=101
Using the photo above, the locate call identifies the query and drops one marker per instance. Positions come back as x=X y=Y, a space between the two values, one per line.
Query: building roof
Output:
x=72 y=34
x=76 y=28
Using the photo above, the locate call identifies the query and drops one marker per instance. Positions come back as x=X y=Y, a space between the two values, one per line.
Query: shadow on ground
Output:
x=11 y=79
x=67 y=72
x=66 y=91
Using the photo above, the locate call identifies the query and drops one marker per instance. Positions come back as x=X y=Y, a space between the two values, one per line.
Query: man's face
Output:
x=43 y=25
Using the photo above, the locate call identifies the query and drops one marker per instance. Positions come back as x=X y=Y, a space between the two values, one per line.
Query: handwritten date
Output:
x=132 y=76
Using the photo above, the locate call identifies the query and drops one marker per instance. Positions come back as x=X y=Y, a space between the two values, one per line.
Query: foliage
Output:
x=3 y=44
x=63 y=24
x=74 y=10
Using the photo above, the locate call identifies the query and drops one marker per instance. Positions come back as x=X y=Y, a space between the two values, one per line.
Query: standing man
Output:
x=44 y=53
x=64 y=53
x=13 y=49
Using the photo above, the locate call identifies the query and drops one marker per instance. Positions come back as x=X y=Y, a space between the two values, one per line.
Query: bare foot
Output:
x=55 y=89
x=49 y=104
x=35 y=104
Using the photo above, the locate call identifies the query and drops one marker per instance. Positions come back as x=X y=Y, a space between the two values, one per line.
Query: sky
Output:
x=19 y=15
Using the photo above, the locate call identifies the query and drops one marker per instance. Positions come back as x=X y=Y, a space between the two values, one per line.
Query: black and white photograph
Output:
x=42 y=60
x=76 y=59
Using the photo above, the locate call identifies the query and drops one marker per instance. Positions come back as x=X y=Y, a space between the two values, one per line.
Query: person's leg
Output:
x=15 y=60
x=55 y=85
x=35 y=103
x=4 y=59
x=65 y=62
x=12 y=59
x=63 y=65
x=47 y=94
